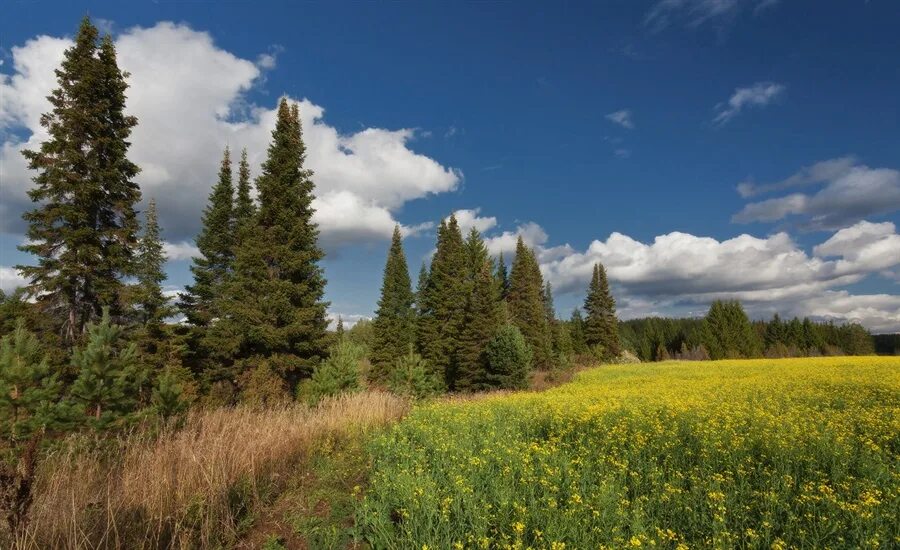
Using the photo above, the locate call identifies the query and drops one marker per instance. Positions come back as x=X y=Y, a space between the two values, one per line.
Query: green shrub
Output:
x=168 y=397
x=261 y=386
x=508 y=360
x=412 y=377
x=338 y=373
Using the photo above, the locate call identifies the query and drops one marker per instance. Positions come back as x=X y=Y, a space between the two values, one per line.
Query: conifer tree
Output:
x=273 y=308
x=482 y=315
x=601 y=328
x=152 y=303
x=394 y=325
x=526 y=304
x=502 y=277
x=421 y=283
x=29 y=387
x=443 y=302
x=84 y=229
x=243 y=204
x=576 y=331
x=727 y=331
x=548 y=302
x=216 y=245
x=339 y=330
x=109 y=381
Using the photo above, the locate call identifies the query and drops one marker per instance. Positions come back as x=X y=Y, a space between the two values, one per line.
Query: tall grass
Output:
x=195 y=485
x=728 y=454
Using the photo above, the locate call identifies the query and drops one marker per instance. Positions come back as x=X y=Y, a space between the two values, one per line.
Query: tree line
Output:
x=727 y=332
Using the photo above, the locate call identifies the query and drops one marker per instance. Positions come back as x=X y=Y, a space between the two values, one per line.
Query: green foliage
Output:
x=502 y=278
x=273 y=302
x=362 y=333
x=394 y=325
x=442 y=303
x=216 y=243
x=339 y=373
x=727 y=332
x=261 y=384
x=508 y=360
x=109 y=381
x=168 y=398
x=29 y=387
x=84 y=229
x=411 y=377
x=527 y=309
x=482 y=316
x=153 y=305
x=576 y=332
x=244 y=209
x=601 y=328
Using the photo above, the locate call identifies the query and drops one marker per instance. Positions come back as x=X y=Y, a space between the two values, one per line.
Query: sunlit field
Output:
x=729 y=454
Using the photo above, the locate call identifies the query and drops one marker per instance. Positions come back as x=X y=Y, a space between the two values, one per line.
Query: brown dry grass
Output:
x=194 y=486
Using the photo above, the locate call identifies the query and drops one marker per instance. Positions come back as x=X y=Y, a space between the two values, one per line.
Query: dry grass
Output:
x=195 y=486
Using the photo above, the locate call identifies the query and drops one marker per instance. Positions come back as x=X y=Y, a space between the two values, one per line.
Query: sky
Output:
x=699 y=149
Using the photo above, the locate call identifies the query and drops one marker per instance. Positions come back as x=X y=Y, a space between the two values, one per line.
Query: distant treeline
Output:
x=731 y=334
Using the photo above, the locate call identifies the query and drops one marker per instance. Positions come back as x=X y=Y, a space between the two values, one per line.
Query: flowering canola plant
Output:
x=790 y=453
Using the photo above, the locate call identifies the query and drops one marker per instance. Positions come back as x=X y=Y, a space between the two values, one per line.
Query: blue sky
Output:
x=567 y=123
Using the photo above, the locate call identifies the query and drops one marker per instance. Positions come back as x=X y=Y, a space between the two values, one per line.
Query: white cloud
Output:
x=11 y=279
x=849 y=192
x=469 y=218
x=183 y=250
x=695 y=13
x=755 y=95
x=680 y=274
x=191 y=100
x=622 y=118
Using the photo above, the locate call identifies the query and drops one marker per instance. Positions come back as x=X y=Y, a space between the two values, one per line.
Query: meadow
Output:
x=790 y=453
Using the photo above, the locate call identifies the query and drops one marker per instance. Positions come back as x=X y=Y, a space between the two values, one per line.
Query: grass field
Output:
x=732 y=454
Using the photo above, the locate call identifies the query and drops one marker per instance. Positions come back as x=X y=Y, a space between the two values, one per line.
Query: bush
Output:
x=262 y=386
x=338 y=373
x=411 y=377
x=508 y=360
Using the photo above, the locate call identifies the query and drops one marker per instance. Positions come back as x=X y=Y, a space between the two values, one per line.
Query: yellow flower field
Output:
x=784 y=453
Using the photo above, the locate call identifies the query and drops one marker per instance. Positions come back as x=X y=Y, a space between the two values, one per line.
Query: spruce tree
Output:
x=421 y=283
x=109 y=381
x=394 y=325
x=443 y=302
x=216 y=245
x=482 y=315
x=84 y=229
x=272 y=308
x=526 y=304
x=243 y=203
x=601 y=328
x=502 y=278
x=576 y=331
x=727 y=331
x=29 y=387
x=153 y=305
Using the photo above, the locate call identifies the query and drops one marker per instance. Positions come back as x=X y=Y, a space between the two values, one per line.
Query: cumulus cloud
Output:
x=11 y=279
x=184 y=250
x=622 y=118
x=695 y=13
x=469 y=219
x=680 y=274
x=755 y=95
x=848 y=192
x=191 y=99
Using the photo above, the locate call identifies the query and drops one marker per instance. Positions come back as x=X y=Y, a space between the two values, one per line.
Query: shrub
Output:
x=412 y=377
x=261 y=386
x=338 y=373
x=168 y=395
x=508 y=360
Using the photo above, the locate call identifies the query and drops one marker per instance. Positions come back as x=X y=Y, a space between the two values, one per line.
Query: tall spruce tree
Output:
x=394 y=325
x=216 y=245
x=84 y=229
x=482 y=316
x=526 y=304
x=243 y=204
x=421 y=283
x=576 y=332
x=502 y=277
x=601 y=327
x=153 y=305
x=727 y=331
x=273 y=309
x=443 y=302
